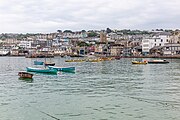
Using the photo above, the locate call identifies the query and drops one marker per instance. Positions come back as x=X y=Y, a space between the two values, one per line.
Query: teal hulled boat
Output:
x=38 y=63
x=41 y=70
x=64 y=69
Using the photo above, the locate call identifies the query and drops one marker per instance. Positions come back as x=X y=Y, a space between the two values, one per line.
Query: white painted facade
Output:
x=74 y=35
x=150 y=42
x=25 y=44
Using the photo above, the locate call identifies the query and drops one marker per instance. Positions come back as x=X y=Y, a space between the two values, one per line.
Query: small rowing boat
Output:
x=41 y=70
x=25 y=75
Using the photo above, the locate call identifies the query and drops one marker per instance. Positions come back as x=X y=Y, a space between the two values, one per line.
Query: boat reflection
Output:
x=28 y=80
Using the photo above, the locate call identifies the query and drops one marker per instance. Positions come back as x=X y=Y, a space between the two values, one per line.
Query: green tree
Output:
x=108 y=30
x=82 y=44
x=92 y=34
x=83 y=31
x=67 y=31
x=59 y=31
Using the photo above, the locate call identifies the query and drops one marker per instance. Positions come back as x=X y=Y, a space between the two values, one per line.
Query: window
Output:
x=146 y=45
x=155 y=40
x=146 y=49
x=161 y=40
x=160 y=44
x=145 y=41
x=155 y=44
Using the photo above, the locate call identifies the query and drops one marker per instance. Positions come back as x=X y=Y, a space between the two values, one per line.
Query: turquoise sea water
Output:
x=110 y=90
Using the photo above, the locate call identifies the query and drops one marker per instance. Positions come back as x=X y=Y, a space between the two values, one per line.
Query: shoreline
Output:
x=162 y=57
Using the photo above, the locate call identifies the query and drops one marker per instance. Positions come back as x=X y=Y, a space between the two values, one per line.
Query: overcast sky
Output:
x=34 y=16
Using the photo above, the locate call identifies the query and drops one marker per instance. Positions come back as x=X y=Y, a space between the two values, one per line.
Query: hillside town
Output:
x=122 y=43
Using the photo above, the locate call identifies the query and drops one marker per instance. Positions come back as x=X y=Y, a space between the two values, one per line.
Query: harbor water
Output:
x=109 y=90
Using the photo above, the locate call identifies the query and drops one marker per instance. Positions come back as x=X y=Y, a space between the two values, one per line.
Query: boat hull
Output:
x=64 y=69
x=137 y=62
x=158 y=62
x=38 y=63
x=49 y=64
x=106 y=58
x=40 y=70
x=94 y=60
x=75 y=60
x=25 y=75
x=152 y=62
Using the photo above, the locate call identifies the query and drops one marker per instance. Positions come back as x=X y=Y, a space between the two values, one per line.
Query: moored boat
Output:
x=64 y=69
x=38 y=63
x=41 y=70
x=106 y=58
x=158 y=62
x=25 y=75
x=117 y=57
x=75 y=60
x=49 y=64
x=94 y=60
x=139 y=62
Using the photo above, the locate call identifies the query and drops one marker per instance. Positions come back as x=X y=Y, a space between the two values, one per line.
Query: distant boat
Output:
x=106 y=58
x=41 y=70
x=75 y=60
x=139 y=62
x=25 y=75
x=64 y=69
x=38 y=63
x=49 y=63
x=94 y=60
x=158 y=62
x=117 y=57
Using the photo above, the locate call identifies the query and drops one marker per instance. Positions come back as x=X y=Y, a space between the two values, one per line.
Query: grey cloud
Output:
x=48 y=15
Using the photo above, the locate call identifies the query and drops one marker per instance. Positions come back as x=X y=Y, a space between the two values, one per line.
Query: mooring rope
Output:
x=43 y=112
x=49 y=115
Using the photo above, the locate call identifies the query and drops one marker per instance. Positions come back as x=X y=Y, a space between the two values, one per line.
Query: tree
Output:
x=108 y=30
x=59 y=31
x=83 y=31
x=92 y=34
x=66 y=31
x=82 y=44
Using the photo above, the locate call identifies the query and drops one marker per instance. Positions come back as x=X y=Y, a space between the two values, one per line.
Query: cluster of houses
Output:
x=109 y=43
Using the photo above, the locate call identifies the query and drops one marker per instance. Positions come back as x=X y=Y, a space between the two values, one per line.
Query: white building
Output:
x=157 y=40
x=74 y=35
x=171 y=49
x=25 y=44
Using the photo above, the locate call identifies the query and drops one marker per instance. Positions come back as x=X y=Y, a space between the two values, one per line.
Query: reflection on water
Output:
x=30 y=80
x=110 y=90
